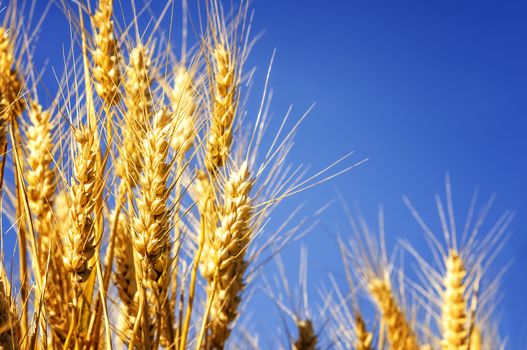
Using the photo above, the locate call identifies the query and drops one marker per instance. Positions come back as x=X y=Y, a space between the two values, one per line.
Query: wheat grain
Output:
x=475 y=339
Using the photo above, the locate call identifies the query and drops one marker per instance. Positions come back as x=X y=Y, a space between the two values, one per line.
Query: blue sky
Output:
x=420 y=88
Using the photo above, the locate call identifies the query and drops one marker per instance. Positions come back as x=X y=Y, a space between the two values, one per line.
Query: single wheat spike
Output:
x=80 y=241
x=364 y=338
x=183 y=100
x=223 y=262
x=124 y=275
x=400 y=334
x=40 y=176
x=138 y=101
x=151 y=224
x=11 y=102
x=10 y=336
x=106 y=54
x=454 y=325
x=59 y=290
x=151 y=236
x=224 y=108
x=307 y=339
x=206 y=202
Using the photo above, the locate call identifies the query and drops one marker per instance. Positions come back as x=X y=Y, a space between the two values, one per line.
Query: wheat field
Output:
x=139 y=202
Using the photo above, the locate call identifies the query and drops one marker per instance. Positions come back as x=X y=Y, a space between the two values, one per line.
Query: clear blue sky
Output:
x=418 y=87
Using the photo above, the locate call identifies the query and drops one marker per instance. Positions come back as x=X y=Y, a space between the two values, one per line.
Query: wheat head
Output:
x=454 y=314
x=106 y=54
x=400 y=334
x=80 y=241
x=307 y=339
x=224 y=108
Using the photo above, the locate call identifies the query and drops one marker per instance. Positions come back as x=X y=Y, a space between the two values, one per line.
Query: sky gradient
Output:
x=419 y=88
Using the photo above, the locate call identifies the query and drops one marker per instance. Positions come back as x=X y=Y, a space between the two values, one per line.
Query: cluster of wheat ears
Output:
x=140 y=197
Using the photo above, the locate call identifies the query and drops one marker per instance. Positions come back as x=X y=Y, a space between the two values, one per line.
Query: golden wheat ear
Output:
x=369 y=259
x=461 y=260
x=106 y=57
x=223 y=257
x=299 y=323
x=11 y=102
x=10 y=335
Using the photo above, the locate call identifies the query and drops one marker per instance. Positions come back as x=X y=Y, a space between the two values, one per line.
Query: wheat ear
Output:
x=400 y=334
x=454 y=314
x=124 y=275
x=223 y=263
x=11 y=102
x=40 y=176
x=225 y=103
x=364 y=338
x=10 y=336
x=80 y=242
x=307 y=339
x=59 y=289
x=138 y=101
x=106 y=54
x=183 y=101
x=151 y=224
x=151 y=236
